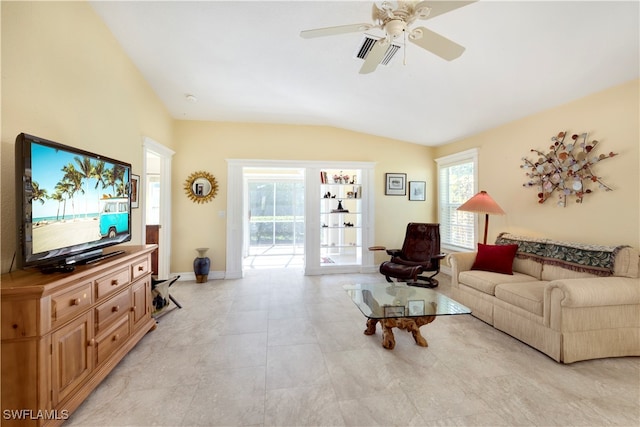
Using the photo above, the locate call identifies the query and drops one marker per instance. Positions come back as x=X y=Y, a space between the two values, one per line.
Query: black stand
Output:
x=61 y=268
x=101 y=257
x=155 y=282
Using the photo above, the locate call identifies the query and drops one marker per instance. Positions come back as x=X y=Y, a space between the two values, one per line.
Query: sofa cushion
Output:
x=495 y=258
x=529 y=266
x=555 y=272
x=528 y=296
x=627 y=262
x=486 y=281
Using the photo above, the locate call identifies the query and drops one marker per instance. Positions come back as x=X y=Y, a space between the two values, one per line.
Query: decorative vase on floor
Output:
x=201 y=265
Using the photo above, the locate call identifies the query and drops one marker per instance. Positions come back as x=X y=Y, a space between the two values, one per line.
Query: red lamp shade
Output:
x=482 y=203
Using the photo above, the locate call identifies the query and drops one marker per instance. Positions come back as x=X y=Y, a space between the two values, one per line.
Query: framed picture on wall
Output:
x=396 y=184
x=417 y=190
x=135 y=190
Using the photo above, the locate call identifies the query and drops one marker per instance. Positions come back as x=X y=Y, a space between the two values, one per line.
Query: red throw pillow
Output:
x=495 y=258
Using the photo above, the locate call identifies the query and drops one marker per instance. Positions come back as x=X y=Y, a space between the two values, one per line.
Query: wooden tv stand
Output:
x=62 y=333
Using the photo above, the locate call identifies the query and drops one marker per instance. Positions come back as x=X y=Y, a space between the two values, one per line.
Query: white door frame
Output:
x=235 y=209
x=164 y=248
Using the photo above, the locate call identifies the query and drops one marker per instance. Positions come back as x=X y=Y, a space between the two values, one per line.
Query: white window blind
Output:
x=457 y=183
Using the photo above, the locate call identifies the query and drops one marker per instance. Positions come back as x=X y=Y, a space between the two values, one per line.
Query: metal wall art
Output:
x=565 y=169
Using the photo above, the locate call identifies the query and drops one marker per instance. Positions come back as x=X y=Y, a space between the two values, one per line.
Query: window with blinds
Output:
x=457 y=183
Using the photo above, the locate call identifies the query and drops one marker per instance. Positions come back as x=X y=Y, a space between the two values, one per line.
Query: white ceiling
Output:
x=245 y=61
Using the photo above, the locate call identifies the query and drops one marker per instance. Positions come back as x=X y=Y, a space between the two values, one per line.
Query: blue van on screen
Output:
x=114 y=216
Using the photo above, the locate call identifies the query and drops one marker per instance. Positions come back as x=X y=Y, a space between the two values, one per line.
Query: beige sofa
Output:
x=570 y=301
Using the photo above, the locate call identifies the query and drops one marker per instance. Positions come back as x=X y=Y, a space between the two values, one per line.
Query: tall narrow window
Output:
x=457 y=183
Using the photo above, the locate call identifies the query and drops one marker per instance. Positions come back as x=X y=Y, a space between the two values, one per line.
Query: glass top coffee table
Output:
x=397 y=305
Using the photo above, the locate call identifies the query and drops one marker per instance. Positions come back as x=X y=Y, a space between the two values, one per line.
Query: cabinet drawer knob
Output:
x=114 y=282
x=133 y=308
x=75 y=301
x=91 y=342
x=116 y=337
x=141 y=268
x=115 y=308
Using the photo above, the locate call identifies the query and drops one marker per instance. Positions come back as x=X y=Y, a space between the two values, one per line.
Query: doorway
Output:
x=238 y=213
x=156 y=182
x=274 y=230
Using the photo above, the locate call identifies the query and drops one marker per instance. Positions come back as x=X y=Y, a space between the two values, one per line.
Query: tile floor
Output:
x=277 y=348
x=279 y=256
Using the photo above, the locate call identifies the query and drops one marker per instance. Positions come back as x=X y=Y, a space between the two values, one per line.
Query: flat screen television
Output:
x=71 y=204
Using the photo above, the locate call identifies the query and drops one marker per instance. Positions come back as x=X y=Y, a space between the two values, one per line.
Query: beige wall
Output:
x=68 y=80
x=65 y=78
x=611 y=218
x=207 y=145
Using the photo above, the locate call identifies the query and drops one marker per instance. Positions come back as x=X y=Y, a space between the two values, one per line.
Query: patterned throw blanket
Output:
x=594 y=259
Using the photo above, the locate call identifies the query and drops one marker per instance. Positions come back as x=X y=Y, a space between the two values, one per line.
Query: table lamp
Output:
x=482 y=203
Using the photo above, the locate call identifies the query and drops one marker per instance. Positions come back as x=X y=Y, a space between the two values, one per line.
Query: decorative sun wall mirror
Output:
x=201 y=187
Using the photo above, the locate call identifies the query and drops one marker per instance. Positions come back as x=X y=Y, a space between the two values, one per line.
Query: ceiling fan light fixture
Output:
x=395 y=27
x=422 y=10
x=386 y=5
x=396 y=19
x=416 y=34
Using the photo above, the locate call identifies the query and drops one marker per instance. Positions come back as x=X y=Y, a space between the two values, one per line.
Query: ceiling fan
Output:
x=396 y=20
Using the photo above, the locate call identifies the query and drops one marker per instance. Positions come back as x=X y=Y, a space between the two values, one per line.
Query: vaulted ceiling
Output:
x=244 y=61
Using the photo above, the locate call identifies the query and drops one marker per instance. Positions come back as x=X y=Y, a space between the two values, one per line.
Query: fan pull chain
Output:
x=404 y=50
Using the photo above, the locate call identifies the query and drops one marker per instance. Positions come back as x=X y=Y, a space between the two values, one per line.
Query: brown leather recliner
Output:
x=420 y=253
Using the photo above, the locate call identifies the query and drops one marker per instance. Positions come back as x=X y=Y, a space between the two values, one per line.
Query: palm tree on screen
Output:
x=37 y=193
x=74 y=178
x=86 y=171
x=98 y=174
x=63 y=190
x=58 y=197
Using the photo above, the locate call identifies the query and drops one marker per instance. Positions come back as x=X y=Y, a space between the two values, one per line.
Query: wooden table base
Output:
x=409 y=324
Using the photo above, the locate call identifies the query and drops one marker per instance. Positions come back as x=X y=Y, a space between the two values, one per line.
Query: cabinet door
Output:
x=72 y=356
x=141 y=301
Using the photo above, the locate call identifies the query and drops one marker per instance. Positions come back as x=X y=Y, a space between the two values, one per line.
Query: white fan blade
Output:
x=332 y=31
x=440 y=7
x=374 y=57
x=436 y=44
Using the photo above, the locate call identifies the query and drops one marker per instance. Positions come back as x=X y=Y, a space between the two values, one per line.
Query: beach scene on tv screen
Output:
x=75 y=199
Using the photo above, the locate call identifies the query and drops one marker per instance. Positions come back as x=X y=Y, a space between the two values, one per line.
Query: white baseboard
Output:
x=218 y=275
x=192 y=276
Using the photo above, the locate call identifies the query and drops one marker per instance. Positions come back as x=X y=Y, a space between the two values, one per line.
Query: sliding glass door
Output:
x=276 y=221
